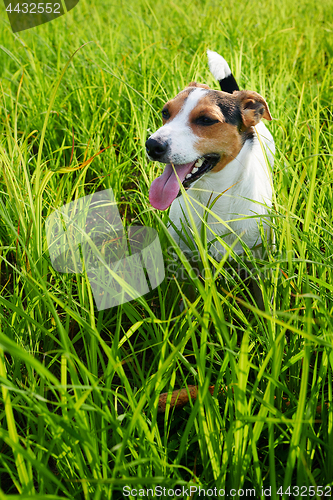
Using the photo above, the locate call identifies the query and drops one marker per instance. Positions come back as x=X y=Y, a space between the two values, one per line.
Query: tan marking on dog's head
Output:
x=206 y=107
x=175 y=105
x=220 y=136
x=233 y=114
x=226 y=141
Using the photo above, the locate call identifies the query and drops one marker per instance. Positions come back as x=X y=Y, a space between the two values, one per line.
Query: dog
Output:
x=214 y=143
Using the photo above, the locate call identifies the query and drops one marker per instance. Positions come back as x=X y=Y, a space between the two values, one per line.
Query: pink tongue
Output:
x=165 y=188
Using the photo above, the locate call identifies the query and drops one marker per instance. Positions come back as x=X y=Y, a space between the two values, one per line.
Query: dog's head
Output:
x=203 y=130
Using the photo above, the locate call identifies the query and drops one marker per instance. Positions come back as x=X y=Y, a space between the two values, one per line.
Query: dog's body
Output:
x=216 y=144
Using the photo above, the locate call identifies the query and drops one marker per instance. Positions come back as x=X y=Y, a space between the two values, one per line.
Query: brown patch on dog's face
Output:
x=175 y=105
x=172 y=107
x=230 y=119
x=226 y=141
x=213 y=128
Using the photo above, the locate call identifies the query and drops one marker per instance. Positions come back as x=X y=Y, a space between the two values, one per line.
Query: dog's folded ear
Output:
x=196 y=84
x=253 y=107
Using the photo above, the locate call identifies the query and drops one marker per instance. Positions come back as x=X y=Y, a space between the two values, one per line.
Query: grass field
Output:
x=67 y=369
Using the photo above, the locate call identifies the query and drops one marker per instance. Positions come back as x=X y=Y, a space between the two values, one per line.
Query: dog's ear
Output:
x=253 y=107
x=195 y=84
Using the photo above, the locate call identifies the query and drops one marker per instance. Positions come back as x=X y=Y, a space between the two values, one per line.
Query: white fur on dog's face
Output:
x=177 y=131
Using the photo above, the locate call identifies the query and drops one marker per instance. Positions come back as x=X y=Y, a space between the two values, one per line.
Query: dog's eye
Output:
x=165 y=114
x=205 y=120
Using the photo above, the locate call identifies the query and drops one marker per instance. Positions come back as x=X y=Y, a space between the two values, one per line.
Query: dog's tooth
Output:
x=194 y=170
x=199 y=162
x=188 y=176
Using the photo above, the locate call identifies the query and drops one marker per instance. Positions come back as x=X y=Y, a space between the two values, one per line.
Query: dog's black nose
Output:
x=156 y=149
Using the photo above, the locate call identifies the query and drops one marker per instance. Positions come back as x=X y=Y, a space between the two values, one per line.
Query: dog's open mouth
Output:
x=201 y=166
x=165 y=188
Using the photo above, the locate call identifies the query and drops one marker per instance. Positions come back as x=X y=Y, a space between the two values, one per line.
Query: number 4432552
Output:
x=27 y=8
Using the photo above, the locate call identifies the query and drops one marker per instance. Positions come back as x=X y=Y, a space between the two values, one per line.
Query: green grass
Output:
x=65 y=368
